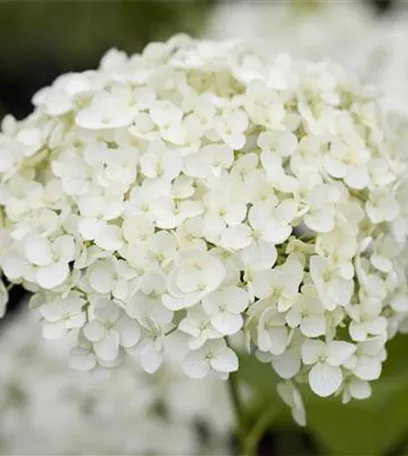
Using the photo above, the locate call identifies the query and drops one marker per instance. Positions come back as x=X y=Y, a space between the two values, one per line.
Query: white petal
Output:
x=391 y=209
x=261 y=283
x=286 y=211
x=325 y=380
x=76 y=321
x=260 y=256
x=318 y=266
x=287 y=365
x=189 y=279
x=121 y=290
x=109 y=238
x=278 y=340
x=227 y=323
x=338 y=352
x=175 y=304
x=373 y=347
x=196 y=365
x=293 y=317
x=225 y=361
x=14 y=267
x=64 y=247
x=235 y=213
x=129 y=332
x=58 y=104
x=400 y=303
x=264 y=341
x=313 y=325
x=377 y=325
x=291 y=396
x=359 y=389
x=299 y=415
x=108 y=348
x=358 y=331
x=236 y=299
x=382 y=263
x=52 y=331
x=285 y=392
x=276 y=232
x=334 y=167
x=90 y=227
x=150 y=360
x=236 y=237
x=88 y=120
x=367 y=368
x=286 y=143
x=53 y=275
x=52 y=312
x=356 y=177
x=94 y=331
x=312 y=350
x=38 y=251
x=211 y=302
x=340 y=290
x=101 y=280
x=106 y=310
x=81 y=359
x=321 y=221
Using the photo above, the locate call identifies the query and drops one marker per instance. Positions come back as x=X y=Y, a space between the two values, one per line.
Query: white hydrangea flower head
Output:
x=207 y=189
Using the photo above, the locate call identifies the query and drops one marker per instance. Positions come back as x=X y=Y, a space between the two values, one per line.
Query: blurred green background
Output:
x=40 y=40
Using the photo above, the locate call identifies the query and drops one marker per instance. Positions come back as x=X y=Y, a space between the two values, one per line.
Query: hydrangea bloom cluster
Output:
x=201 y=188
x=120 y=414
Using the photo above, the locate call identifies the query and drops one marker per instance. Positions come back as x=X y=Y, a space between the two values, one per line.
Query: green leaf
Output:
x=372 y=426
x=369 y=427
x=356 y=428
x=258 y=376
x=261 y=380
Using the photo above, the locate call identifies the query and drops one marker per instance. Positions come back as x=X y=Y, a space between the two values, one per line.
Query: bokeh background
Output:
x=47 y=409
x=42 y=39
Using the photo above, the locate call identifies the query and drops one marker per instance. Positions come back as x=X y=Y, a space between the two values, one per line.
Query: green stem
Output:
x=249 y=436
x=258 y=429
x=237 y=404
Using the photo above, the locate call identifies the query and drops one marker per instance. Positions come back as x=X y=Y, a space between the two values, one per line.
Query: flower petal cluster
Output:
x=203 y=188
